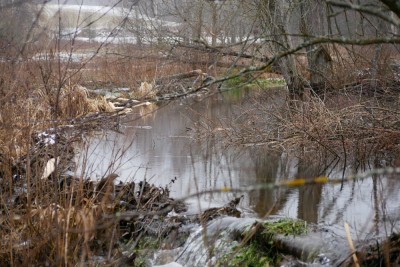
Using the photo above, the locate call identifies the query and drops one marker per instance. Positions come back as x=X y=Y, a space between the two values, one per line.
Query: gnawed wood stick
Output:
x=351 y=245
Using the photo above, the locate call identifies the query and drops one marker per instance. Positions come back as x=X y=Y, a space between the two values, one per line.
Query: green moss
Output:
x=140 y=261
x=238 y=81
x=266 y=83
x=148 y=243
x=260 y=250
x=252 y=255
x=145 y=247
x=249 y=82
x=285 y=227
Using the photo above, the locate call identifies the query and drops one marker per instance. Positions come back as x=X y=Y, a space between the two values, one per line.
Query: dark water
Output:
x=161 y=147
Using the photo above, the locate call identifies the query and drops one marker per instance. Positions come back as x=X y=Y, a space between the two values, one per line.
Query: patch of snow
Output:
x=46 y=139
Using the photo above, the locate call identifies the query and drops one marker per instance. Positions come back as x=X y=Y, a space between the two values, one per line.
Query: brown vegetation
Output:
x=351 y=120
x=75 y=222
x=51 y=214
x=55 y=219
x=354 y=116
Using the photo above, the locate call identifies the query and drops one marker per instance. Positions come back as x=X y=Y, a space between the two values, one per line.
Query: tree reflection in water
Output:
x=166 y=149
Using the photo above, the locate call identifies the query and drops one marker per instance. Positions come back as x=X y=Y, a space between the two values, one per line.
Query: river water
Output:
x=161 y=147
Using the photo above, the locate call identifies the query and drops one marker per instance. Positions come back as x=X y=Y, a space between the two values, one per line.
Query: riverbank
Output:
x=57 y=211
x=95 y=221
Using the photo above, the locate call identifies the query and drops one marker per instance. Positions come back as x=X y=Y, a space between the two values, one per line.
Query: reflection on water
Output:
x=160 y=147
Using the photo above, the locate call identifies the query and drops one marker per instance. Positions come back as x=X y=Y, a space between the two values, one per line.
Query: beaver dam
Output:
x=181 y=183
x=199 y=133
x=166 y=146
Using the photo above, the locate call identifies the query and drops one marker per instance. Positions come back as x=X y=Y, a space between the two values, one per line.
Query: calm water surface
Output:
x=160 y=148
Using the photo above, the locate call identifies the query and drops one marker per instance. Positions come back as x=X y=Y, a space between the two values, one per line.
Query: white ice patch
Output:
x=46 y=139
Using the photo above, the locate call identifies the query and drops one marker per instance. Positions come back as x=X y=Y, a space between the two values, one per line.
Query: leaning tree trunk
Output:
x=319 y=61
x=198 y=21
x=274 y=15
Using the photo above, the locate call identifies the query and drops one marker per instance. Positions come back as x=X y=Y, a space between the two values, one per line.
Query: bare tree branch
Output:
x=361 y=8
x=211 y=49
x=318 y=40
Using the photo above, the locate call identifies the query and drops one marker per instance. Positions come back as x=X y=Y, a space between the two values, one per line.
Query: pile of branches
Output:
x=52 y=216
x=343 y=126
x=81 y=223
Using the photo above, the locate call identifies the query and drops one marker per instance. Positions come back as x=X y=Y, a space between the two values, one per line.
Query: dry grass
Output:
x=350 y=129
x=73 y=224
x=74 y=103
x=357 y=117
x=44 y=223
x=120 y=69
x=59 y=221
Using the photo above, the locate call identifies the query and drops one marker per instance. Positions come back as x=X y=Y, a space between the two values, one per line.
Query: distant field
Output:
x=76 y=16
x=95 y=23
